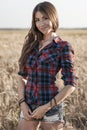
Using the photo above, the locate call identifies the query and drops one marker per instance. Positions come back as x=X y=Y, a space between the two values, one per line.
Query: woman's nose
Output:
x=42 y=22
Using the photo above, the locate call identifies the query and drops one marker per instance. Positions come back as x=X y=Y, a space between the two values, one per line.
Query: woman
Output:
x=43 y=55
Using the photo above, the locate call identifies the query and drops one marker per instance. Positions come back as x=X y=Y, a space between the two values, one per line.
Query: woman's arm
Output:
x=21 y=85
x=62 y=95
x=23 y=106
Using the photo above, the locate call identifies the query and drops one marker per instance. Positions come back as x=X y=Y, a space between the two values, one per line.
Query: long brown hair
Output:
x=34 y=36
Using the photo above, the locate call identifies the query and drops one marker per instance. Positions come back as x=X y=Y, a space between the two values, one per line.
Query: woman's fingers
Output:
x=27 y=116
x=39 y=112
x=37 y=115
x=29 y=111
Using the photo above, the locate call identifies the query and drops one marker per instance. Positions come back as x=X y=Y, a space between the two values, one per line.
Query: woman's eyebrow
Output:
x=36 y=18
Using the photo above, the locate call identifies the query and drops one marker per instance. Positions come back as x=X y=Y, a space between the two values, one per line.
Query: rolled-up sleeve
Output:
x=67 y=65
x=23 y=73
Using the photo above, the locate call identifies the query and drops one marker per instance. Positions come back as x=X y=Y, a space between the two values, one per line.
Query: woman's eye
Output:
x=45 y=18
x=36 y=20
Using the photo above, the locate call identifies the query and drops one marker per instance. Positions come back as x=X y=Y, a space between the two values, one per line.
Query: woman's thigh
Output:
x=52 y=126
x=24 y=124
x=28 y=125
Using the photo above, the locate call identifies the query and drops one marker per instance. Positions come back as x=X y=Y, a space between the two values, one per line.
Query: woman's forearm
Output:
x=63 y=94
x=21 y=86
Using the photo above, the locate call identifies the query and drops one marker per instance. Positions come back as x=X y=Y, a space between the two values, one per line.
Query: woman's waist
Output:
x=39 y=98
x=41 y=85
x=41 y=91
x=41 y=80
x=51 y=111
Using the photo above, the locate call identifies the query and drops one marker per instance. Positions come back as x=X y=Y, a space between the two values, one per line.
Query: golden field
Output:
x=11 y=42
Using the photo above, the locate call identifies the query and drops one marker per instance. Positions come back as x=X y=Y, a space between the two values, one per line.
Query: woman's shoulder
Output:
x=60 y=43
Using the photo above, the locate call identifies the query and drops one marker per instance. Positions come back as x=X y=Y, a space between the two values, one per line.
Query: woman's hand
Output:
x=26 y=111
x=40 y=111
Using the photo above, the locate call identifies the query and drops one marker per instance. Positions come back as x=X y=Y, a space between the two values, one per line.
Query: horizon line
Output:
x=18 y=28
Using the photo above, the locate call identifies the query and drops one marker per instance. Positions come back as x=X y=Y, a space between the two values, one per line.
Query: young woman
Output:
x=43 y=55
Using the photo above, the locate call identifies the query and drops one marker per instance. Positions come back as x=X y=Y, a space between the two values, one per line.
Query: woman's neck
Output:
x=47 y=39
x=49 y=36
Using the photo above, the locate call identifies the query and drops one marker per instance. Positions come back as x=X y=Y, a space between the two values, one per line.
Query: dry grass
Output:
x=10 y=48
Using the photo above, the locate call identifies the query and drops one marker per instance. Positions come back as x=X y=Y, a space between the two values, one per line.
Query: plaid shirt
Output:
x=41 y=69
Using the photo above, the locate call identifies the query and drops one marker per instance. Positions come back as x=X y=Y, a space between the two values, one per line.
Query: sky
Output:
x=18 y=13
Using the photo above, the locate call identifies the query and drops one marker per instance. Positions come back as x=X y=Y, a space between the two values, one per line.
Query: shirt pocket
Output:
x=51 y=58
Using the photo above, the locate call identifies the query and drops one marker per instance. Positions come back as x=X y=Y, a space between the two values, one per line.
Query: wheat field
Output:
x=11 y=42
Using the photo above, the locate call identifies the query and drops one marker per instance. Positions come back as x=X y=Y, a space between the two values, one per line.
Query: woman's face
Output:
x=43 y=24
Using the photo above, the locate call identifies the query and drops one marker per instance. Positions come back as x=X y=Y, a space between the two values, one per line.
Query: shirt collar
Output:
x=56 y=40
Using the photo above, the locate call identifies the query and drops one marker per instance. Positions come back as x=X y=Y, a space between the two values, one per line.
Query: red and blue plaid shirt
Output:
x=41 y=69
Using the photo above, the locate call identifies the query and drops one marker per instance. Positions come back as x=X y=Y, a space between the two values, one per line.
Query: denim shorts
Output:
x=56 y=114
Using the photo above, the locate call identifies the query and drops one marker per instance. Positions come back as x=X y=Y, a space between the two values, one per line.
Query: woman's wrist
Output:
x=21 y=101
x=48 y=106
x=53 y=103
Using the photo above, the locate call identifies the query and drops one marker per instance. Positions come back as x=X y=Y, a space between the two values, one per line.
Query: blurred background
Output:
x=15 y=21
x=18 y=13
